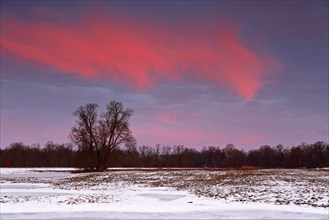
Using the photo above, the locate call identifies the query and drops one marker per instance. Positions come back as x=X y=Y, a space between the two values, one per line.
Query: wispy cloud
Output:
x=140 y=54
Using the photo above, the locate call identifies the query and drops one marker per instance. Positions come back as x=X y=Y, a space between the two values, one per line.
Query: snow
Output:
x=57 y=194
x=36 y=172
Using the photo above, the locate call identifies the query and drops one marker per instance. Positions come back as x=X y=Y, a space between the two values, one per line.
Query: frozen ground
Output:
x=164 y=194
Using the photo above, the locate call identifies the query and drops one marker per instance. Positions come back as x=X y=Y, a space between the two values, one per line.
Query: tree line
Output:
x=99 y=141
x=66 y=155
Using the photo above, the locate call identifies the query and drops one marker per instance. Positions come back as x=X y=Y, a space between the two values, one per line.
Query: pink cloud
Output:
x=167 y=117
x=172 y=133
x=168 y=134
x=140 y=54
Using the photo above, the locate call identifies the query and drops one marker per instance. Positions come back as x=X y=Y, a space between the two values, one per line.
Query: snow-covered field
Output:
x=57 y=193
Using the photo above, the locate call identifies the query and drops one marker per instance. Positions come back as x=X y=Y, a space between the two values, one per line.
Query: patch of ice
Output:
x=162 y=197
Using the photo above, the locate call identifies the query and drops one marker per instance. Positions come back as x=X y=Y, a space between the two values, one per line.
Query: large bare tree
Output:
x=98 y=135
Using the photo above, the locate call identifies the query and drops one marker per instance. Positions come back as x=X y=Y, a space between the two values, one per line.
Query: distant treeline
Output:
x=65 y=155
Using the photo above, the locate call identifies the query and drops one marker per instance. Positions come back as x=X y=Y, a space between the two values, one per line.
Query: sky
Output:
x=196 y=73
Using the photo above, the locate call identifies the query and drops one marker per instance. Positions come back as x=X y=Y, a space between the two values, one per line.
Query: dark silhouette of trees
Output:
x=129 y=155
x=97 y=136
x=51 y=155
x=279 y=155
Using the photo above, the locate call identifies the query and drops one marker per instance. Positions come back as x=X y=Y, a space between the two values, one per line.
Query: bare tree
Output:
x=98 y=135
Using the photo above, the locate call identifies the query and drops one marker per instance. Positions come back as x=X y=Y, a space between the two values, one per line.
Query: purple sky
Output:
x=196 y=73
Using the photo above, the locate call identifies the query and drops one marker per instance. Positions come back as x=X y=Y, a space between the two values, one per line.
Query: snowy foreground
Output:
x=57 y=193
